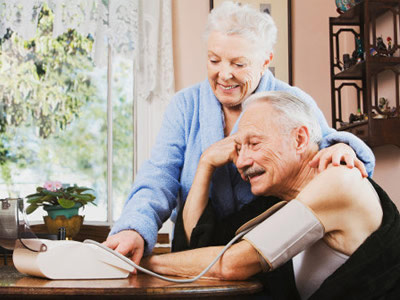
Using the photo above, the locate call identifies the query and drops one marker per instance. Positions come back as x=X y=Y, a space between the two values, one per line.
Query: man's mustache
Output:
x=253 y=170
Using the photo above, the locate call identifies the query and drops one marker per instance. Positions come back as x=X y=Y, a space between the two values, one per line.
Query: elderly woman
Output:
x=342 y=230
x=240 y=42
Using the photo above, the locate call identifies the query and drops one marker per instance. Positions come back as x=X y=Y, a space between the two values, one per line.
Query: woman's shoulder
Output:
x=193 y=92
x=194 y=98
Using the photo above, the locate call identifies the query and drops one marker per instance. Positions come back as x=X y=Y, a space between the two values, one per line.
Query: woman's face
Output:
x=234 y=67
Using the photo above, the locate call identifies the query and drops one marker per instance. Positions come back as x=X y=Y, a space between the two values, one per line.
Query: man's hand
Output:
x=335 y=155
x=220 y=153
x=127 y=242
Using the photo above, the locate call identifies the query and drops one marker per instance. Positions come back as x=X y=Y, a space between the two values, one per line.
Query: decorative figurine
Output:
x=356 y=117
x=373 y=52
x=359 y=49
x=380 y=46
x=390 y=49
x=383 y=104
x=347 y=63
x=345 y=5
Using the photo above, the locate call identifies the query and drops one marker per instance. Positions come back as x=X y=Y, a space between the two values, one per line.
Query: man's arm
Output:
x=231 y=266
x=216 y=155
x=344 y=202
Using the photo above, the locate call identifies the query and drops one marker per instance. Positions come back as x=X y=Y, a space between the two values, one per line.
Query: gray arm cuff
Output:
x=285 y=234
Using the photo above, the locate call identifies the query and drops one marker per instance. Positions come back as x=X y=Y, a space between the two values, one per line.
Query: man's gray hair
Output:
x=233 y=18
x=293 y=112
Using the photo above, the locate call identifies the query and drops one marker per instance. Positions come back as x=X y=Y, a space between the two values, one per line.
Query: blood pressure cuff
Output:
x=284 y=234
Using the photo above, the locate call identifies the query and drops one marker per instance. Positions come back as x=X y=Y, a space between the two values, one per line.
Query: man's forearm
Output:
x=231 y=266
x=186 y=263
x=197 y=198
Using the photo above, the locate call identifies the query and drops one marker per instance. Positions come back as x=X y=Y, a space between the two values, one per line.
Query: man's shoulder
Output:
x=347 y=185
x=340 y=189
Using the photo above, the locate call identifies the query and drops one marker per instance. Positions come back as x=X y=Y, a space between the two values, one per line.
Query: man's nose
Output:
x=244 y=160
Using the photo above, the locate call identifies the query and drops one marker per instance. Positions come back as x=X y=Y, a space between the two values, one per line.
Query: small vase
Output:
x=58 y=210
x=72 y=225
x=68 y=218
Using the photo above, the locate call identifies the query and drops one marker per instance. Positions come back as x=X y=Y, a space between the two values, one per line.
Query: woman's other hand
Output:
x=335 y=155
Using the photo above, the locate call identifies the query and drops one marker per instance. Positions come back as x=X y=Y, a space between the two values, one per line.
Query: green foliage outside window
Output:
x=53 y=110
x=44 y=82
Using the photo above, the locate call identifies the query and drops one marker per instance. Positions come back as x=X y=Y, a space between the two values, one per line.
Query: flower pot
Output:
x=71 y=225
x=58 y=210
x=68 y=218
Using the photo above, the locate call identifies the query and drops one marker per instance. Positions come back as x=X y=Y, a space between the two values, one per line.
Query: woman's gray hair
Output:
x=233 y=18
x=293 y=112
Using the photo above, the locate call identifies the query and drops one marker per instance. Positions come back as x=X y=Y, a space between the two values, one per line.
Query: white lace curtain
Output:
x=139 y=29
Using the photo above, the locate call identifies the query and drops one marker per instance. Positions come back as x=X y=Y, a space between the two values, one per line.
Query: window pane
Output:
x=53 y=115
x=122 y=99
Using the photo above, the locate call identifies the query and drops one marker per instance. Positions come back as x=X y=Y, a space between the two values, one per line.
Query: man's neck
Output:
x=299 y=178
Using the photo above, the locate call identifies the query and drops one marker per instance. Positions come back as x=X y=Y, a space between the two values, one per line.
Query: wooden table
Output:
x=13 y=285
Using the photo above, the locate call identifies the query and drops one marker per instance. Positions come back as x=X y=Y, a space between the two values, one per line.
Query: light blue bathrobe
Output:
x=192 y=122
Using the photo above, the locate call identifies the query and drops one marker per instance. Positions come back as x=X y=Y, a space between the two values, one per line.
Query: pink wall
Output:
x=190 y=52
x=310 y=64
x=311 y=70
x=312 y=74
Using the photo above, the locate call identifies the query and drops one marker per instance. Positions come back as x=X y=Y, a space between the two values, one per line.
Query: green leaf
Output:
x=66 y=203
x=85 y=197
x=56 y=194
x=82 y=189
x=33 y=195
x=31 y=208
x=34 y=199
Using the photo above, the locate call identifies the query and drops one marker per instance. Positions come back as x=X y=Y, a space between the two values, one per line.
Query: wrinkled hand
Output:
x=220 y=153
x=335 y=155
x=127 y=242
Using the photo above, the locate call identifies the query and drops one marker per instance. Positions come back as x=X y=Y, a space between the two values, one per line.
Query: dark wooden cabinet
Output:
x=365 y=69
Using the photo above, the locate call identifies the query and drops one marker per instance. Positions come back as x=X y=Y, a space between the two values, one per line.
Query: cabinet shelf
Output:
x=377 y=63
x=352 y=73
x=363 y=76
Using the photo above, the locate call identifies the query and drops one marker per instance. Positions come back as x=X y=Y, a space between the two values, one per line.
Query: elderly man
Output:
x=338 y=236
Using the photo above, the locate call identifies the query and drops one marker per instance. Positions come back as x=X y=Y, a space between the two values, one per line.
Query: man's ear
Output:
x=302 y=137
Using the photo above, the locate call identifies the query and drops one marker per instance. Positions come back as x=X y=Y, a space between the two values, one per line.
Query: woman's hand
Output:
x=335 y=155
x=127 y=242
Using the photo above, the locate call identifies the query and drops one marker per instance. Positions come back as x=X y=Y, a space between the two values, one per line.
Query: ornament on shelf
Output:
x=380 y=46
x=373 y=52
x=345 y=5
x=356 y=117
x=358 y=54
x=389 y=48
x=347 y=61
x=383 y=104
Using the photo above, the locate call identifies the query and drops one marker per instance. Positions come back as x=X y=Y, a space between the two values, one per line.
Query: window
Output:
x=64 y=118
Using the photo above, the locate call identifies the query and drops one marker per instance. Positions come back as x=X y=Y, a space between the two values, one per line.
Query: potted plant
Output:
x=62 y=203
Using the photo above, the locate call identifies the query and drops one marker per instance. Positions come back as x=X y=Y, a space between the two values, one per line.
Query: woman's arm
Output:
x=154 y=192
